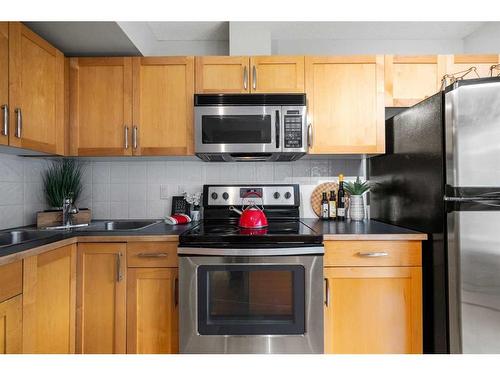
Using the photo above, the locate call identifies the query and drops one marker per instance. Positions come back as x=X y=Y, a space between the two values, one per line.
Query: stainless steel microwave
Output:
x=250 y=127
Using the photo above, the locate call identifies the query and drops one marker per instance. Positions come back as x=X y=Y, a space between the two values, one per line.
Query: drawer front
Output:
x=373 y=253
x=11 y=280
x=152 y=254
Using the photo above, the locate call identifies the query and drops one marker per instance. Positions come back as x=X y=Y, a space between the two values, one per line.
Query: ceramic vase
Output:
x=357 y=208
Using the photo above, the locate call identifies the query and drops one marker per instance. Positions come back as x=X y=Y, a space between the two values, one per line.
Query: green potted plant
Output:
x=356 y=190
x=63 y=179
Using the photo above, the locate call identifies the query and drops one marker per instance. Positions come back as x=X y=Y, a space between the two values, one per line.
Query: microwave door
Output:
x=238 y=129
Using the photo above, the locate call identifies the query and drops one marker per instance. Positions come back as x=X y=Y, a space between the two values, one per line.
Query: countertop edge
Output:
x=76 y=239
x=376 y=237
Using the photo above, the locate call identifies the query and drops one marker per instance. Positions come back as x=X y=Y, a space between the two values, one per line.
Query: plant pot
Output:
x=357 y=208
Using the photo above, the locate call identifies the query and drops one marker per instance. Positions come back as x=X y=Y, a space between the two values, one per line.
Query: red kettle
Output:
x=252 y=216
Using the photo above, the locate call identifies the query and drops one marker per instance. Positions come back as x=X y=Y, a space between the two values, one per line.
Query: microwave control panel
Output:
x=293 y=131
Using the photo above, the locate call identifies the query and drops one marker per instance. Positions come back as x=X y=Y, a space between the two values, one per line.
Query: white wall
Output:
x=21 y=190
x=358 y=46
x=484 y=40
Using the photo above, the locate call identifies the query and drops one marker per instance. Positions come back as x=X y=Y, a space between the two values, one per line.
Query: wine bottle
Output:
x=341 y=199
x=332 y=205
x=324 y=207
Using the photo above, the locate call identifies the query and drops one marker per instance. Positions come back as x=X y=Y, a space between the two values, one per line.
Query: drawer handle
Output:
x=152 y=255
x=374 y=254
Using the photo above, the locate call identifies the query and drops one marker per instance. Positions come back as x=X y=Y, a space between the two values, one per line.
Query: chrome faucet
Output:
x=68 y=211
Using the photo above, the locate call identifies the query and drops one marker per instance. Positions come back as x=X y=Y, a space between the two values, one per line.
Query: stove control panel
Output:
x=237 y=195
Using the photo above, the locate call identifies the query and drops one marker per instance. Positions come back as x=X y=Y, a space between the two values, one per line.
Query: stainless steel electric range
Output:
x=251 y=290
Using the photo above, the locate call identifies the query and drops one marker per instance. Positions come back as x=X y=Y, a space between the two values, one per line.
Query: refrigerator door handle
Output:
x=495 y=202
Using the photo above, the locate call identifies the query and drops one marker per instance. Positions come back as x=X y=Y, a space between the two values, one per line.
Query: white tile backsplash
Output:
x=131 y=189
x=135 y=185
x=21 y=190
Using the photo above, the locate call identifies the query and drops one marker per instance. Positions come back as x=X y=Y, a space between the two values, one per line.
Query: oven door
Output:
x=251 y=304
x=237 y=129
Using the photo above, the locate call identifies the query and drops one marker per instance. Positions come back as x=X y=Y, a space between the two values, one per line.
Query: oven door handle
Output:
x=309 y=250
x=277 y=124
x=327 y=292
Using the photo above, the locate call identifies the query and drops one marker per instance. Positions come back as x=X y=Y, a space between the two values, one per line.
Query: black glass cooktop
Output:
x=226 y=233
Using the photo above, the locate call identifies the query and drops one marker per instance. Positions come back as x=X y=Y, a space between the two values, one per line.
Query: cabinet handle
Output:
x=374 y=254
x=119 y=275
x=176 y=291
x=5 y=126
x=134 y=137
x=19 y=122
x=310 y=135
x=254 y=77
x=245 y=78
x=126 y=137
x=327 y=292
x=152 y=255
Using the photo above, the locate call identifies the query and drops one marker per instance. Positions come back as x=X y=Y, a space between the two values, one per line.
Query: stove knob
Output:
x=214 y=196
x=225 y=196
x=276 y=195
x=288 y=195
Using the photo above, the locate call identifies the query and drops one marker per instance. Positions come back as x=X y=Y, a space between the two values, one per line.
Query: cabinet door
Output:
x=482 y=63
x=373 y=310
x=4 y=83
x=163 y=105
x=101 y=106
x=11 y=315
x=346 y=104
x=101 y=298
x=411 y=79
x=222 y=74
x=36 y=75
x=152 y=311
x=280 y=74
x=49 y=298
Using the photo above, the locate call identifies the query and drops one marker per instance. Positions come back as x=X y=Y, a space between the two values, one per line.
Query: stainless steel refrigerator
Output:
x=441 y=175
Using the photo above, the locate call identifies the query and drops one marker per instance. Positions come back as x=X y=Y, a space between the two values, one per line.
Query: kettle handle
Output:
x=258 y=195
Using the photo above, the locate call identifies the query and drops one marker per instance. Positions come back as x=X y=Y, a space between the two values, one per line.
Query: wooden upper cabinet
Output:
x=49 y=299
x=222 y=74
x=163 y=105
x=346 y=104
x=152 y=311
x=4 y=82
x=36 y=94
x=373 y=310
x=411 y=79
x=482 y=63
x=101 y=106
x=101 y=298
x=277 y=74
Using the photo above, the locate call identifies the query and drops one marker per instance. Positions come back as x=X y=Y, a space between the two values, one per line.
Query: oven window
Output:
x=236 y=129
x=251 y=299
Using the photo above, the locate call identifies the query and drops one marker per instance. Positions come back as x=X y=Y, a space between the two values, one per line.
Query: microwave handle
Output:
x=277 y=123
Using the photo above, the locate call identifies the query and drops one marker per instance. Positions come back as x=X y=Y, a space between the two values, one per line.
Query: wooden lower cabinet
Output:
x=11 y=325
x=373 y=310
x=101 y=298
x=49 y=298
x=152 y=311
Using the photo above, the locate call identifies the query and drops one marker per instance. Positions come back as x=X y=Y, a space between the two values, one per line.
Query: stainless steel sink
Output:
x=129 y=225
x=16 y=237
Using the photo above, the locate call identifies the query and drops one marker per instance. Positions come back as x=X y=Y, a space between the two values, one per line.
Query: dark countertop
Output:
x=96 y=228
x=363 y=230
x=349 y=230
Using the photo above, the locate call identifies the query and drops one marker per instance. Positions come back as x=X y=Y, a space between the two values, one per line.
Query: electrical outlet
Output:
x=164 y=192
